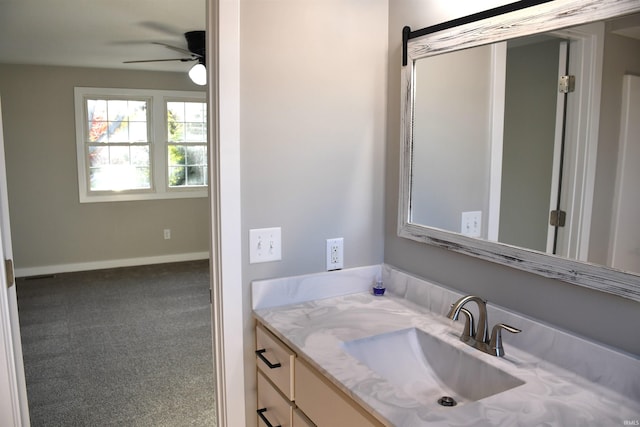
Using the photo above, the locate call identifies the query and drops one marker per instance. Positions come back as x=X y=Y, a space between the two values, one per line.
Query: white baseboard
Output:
x=114 y=263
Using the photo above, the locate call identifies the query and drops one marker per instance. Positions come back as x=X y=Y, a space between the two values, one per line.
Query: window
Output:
x=187 y=143
x=140 y=144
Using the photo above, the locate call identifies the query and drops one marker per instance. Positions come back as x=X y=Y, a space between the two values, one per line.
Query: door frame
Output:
x=10 y=342
x=227 y=314
x=556 y=170
x=498 y=88
x=586 y=51
x=228 y=309
x=585 y=60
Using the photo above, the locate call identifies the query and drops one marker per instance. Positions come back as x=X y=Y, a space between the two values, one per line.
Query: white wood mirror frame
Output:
x=543 y=17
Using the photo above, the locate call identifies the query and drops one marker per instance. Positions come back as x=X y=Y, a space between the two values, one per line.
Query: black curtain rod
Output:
x=407 y=34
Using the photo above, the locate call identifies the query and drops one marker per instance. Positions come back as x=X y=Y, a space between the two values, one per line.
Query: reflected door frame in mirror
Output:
x=550 y=16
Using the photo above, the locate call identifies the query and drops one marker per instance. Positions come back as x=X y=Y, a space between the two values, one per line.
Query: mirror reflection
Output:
x=534 y=143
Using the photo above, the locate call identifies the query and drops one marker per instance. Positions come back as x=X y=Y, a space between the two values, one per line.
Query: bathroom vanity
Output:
x=349 y=358
x=293 y=393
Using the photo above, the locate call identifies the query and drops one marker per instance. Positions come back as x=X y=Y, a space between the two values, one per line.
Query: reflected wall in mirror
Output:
x=528 y=139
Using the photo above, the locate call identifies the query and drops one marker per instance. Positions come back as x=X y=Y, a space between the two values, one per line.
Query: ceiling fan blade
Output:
x=160 y=27
x=161 y=60
x=178 y=49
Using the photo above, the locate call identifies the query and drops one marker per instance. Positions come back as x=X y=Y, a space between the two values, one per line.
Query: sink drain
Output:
x=447 y=401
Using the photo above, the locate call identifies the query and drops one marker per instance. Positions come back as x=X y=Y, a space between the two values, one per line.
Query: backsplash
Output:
x=296 y=289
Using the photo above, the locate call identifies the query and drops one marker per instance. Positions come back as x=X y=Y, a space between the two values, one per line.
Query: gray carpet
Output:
x=119 y=347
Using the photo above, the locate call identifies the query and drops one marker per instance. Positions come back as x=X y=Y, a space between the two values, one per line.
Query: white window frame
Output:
x=158 y=142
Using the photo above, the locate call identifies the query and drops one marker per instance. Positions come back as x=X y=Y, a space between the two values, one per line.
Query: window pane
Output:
x=140 y=155
x=196 y=132
x=98 y=156
x=194 y=112
x=138 y=132
x=98 y=182
x=176 y=109
x=176 y=176
x=177 y=155
x=117 y=110
x=138 y=111
x=119 y=155
x=118 y=131
x=196 y=155
x=117 y=120
x=97 y=120
x=176 y=130
x=195 y=175
x=186 y=122
x=142 y=180
x=119 y=178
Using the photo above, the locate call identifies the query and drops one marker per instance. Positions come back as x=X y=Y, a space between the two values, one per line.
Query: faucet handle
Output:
x=496 y=338
x=469 y=327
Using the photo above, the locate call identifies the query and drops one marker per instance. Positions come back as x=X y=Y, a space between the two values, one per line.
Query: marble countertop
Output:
x=316 y=329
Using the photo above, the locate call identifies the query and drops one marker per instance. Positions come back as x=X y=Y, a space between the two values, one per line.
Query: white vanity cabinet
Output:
x=291 y=393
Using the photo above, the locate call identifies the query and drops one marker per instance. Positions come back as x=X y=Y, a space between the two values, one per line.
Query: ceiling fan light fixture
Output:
x=198 y=74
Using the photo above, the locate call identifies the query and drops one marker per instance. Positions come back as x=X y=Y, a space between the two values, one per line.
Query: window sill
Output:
x=131 y=196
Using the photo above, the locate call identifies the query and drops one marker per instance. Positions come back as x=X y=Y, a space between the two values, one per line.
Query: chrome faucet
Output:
x=480 y=337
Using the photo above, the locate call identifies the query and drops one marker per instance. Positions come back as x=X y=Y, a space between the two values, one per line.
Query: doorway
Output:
x=565 y=144
x=530 y=170
x=54 y=203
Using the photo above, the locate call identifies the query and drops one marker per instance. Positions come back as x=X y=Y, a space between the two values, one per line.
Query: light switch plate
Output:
x=265 y=245
x=471 y=224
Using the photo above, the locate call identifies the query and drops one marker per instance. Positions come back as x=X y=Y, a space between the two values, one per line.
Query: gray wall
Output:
x=606 y=318
x=313 y=109
x=452 y=127
x=49 y=225
x=529 y=133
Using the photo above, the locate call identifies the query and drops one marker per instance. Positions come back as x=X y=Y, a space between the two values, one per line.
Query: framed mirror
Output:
x=521 y=143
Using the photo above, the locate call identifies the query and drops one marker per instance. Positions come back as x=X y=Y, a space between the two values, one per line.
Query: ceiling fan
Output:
x=196 y=51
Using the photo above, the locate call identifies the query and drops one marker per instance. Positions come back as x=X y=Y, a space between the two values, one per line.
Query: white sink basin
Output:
x=427 y=368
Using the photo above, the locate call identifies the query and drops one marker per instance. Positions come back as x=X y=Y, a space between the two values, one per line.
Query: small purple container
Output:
x=378 y=289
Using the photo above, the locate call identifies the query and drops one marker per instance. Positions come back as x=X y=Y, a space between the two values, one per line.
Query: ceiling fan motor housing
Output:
x=196 y=44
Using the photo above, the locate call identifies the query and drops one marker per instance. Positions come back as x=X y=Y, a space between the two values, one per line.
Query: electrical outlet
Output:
x=335 y=253
x=265 y=245
x=471 y=223
x=167 y=233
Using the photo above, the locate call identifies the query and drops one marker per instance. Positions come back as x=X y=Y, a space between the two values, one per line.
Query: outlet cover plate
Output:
x=335 y=253
x=265 y=245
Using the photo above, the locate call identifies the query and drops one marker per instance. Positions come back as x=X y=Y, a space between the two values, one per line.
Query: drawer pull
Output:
x=264 y=359
x=264 y=419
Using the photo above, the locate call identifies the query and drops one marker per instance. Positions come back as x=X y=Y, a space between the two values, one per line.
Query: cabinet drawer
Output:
x=300 y=419
x=275 y=360
x=324 y=403
x=273 y=409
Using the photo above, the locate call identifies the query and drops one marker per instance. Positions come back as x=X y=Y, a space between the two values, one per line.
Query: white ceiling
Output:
x=97 y=33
